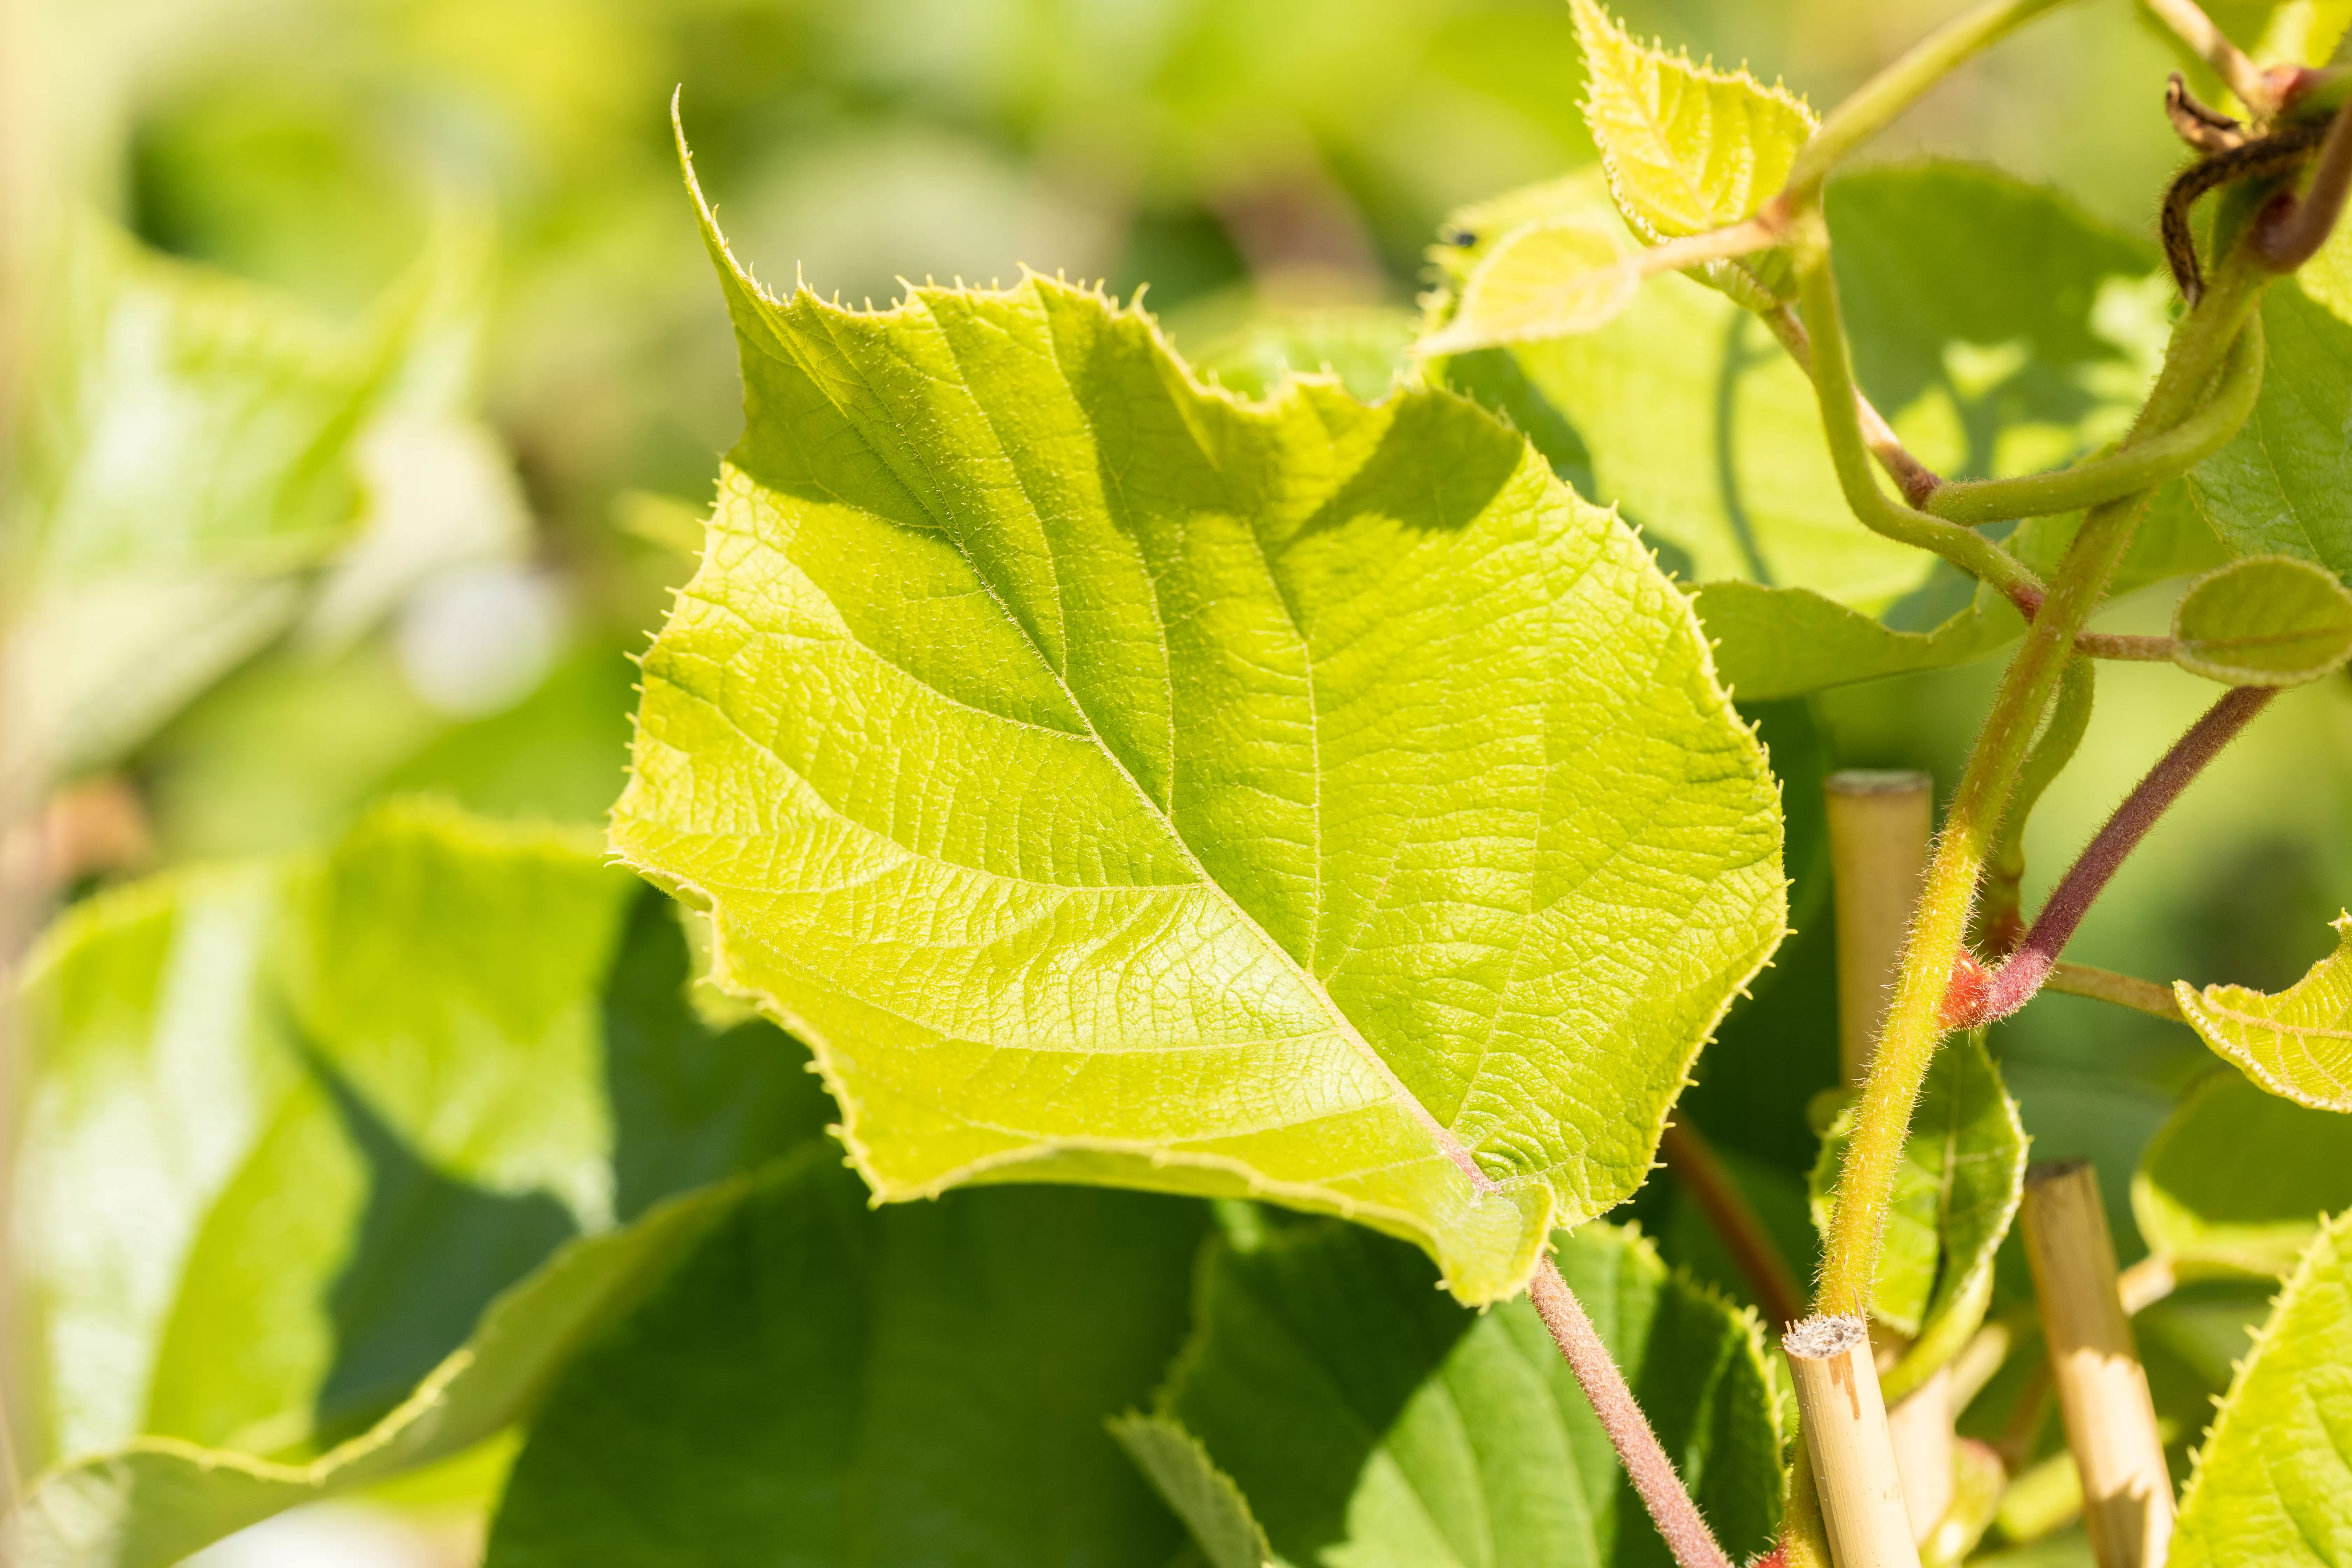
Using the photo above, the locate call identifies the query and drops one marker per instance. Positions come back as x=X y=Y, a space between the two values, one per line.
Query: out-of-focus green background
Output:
x=1226 y=153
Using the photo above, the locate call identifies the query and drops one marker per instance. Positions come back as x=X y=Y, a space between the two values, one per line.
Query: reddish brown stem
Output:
x=1688 y=1538
x=2292 y=229
x=2100 y=644
x=1696 y=1166
x=1978 y=995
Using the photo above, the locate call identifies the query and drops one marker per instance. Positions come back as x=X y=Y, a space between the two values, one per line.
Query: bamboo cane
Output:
x=1878 y=825
x=2101 y=1389
x=1847 y=1439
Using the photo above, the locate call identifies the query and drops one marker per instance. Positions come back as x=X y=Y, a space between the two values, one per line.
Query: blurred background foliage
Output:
x=503 y=171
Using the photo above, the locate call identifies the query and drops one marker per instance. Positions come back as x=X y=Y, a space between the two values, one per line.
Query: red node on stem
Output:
x=1965 y=996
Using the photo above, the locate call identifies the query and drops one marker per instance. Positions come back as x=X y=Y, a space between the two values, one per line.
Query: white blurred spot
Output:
x=328 y=1536
x=480 y=639
x=440 y=494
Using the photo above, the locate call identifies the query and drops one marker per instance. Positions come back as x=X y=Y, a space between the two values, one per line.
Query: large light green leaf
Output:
x=1999 y=327
x=2238 y=1179
x=2274 y=1482
x=1118 y=782
x=1368 y=1421
x=823 y=1383
x=2267 y=620
x=2296 y=1043
x=1368 y=348
x=1688 y=148
x=185 y=455
x=1958 y=1189
x=152 y=1502
x=333 y=1109
x=2283 y=486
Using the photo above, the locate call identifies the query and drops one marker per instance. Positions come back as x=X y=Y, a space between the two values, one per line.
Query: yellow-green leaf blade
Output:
x=1549 y=279
x=1118 y=783
x=2296 y=1043
x=2267 y=620
x=1688 y=148
x=2274 y=1484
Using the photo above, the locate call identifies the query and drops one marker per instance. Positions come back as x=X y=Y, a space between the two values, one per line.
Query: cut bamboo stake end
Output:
x=1879 y=823
x=1847 y=1438
x=2101 y=1389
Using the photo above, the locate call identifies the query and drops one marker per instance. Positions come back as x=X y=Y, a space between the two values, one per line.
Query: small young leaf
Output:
x=1550 y=278
x=1684 y=414
x=1369 y=1420
x=1962 y=1175
x=2236 y=1180
x=1120 y=782
x=1688 y=148
x=2274 y=1484
x=2267 y=620
x=2296 y=1043
x=823 y=1383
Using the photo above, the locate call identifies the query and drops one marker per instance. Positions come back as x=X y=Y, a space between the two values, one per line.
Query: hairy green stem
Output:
x=1872 y=106
x=1914 y=478
x=1999 y=921
x=1833 y=385
x=1914 y=1025
x=2122 y=472
x=1978 y=995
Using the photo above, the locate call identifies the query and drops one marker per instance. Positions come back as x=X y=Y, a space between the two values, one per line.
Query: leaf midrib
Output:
x=1450 y=1146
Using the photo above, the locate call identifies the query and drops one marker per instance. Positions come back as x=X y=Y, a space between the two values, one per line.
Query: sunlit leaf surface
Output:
x=2297 y=1043
x=2274 y=1484
x=1117 y=783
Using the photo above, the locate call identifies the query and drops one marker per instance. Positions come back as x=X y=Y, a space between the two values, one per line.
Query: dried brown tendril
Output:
x=2207 y=130
x=2262 y=158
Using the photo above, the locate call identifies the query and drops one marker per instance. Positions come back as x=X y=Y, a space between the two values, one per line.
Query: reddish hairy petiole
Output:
x=1977 y=995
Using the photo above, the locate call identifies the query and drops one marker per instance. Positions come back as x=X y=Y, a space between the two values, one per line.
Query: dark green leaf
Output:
x=2284 y=487
x=1370 y=1421
x=825 y=1383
